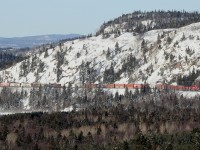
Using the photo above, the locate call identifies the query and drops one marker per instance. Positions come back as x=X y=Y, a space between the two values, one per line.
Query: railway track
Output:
x=104 y=86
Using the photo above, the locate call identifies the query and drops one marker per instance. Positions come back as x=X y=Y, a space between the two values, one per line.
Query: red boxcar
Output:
x=181 y=88
x=160 y=86
x=4 y=84
x=91 y=85
x=138 y=86
x=172 y=87
x=109 y=86
x=129 y=86
x=185 y=88
x=198 y=88
x=119 y=85
x=194 y=88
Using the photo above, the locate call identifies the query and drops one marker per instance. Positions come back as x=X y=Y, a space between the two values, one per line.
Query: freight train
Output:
x=29 y=85
x=141 y=86
x=106 y=86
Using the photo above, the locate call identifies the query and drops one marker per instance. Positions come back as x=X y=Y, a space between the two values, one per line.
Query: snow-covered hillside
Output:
x=158 y=55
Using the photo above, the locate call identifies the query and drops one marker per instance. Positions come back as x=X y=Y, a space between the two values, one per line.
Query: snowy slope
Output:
x=164 y=60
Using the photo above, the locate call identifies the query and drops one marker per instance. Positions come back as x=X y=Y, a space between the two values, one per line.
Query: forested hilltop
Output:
x=141 y=22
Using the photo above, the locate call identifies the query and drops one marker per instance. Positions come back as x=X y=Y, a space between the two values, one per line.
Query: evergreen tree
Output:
x=46 y=54
x=108 y=54
x=117 y=49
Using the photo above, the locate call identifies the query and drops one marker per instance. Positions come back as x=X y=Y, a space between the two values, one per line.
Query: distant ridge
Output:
x=31 y=41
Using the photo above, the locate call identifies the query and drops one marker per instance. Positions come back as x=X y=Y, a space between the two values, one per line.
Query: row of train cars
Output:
x=141 y=86
x=105 y=86
x=28 y=85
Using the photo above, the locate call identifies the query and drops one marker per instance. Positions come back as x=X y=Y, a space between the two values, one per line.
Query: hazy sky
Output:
x=37 y=17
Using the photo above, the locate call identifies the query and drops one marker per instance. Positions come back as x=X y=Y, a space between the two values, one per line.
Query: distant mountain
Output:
x=31 y=41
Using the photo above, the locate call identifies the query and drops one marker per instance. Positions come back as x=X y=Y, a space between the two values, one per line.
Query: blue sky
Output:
x=38 y=17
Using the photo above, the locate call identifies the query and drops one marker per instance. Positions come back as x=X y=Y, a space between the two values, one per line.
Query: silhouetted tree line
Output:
x=9 y=59
x=190 y=79
x=5 y=48
x=159 y=20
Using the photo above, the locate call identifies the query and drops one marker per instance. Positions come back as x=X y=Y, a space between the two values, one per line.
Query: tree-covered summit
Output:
x=139 y=21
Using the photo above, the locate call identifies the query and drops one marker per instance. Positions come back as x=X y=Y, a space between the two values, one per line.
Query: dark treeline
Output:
x=149 y=121
x=159 y=20
x=8 y=59
x=5 y=48
x=189 y=79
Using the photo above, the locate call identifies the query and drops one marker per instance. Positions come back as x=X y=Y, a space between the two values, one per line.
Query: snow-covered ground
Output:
x=189 y=94
x=164 y=63
x=27 y=110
